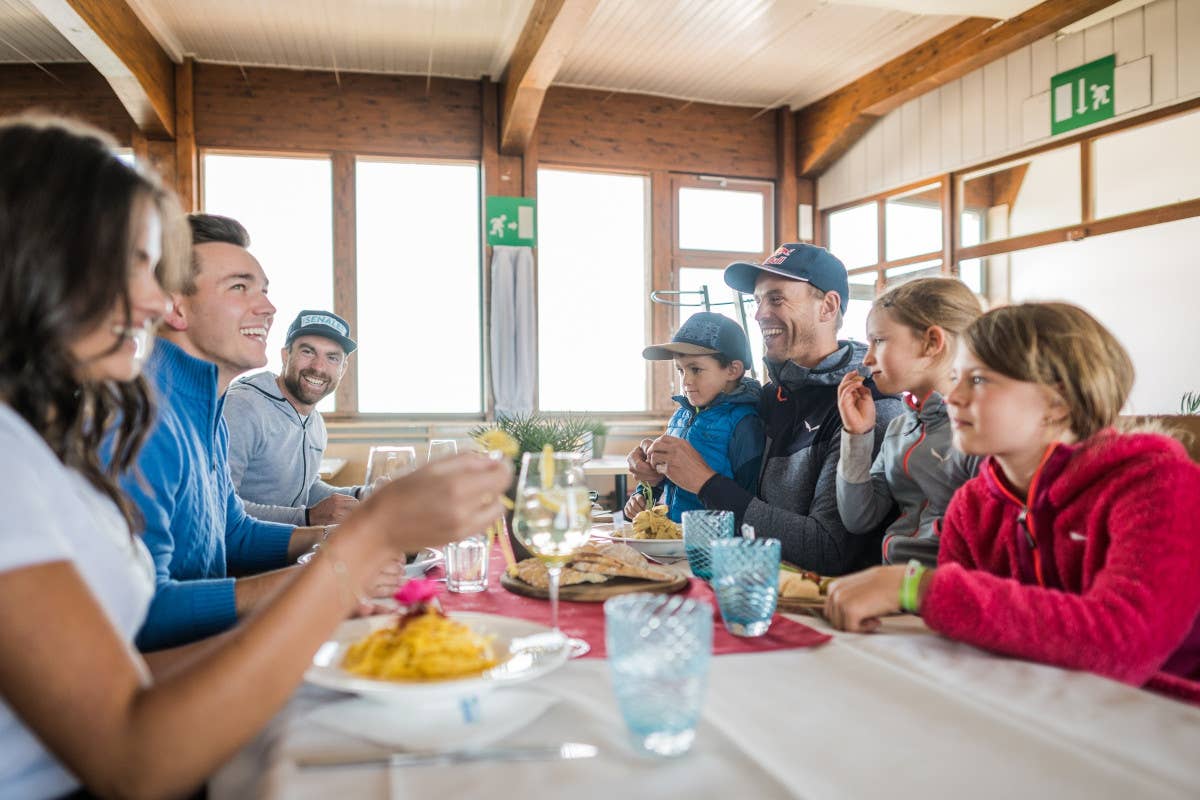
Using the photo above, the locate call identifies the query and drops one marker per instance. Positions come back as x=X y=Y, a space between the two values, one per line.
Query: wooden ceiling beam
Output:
x=112 y=38
x=550 y=32
x=827 y=128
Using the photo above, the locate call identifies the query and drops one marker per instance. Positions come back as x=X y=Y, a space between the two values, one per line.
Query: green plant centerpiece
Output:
x=1190 y=403
x=532 y=433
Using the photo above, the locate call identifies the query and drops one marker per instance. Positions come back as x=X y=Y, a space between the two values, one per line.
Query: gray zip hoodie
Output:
x=917 y=469
x=274 y=453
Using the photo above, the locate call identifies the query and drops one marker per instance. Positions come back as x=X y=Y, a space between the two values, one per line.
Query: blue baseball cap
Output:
x=800 y=262
x=321 y=323
x=705 y=334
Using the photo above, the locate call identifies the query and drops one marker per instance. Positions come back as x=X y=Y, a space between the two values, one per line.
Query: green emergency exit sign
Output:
x=1083 y=95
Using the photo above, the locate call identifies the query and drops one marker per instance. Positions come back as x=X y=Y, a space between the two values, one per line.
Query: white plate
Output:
x=655 y=548
x=426 y=560
x=527 y=651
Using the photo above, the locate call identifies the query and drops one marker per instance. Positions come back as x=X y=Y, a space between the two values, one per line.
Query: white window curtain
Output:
x=513 y=341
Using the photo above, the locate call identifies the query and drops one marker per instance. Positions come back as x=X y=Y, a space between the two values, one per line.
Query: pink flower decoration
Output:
x=417 y=592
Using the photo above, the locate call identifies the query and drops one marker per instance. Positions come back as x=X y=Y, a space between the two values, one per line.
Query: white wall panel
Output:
x=995 y=107
x=1131 y=86
x=1017 y=88
x=891 y=148
x=1043 y=63
x=1098 y=41
x=1070 y=51
x=1129 y=42
x=1161 y=46
x=910 y=140
x=972 y=119
x=950 y=108
x=856 y=177
x=874 y=146
x=1187 y=28
x=931 y=133
x=1035 y=118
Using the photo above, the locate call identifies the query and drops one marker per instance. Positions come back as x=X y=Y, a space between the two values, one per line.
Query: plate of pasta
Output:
x=429 y=655
x=638 y=540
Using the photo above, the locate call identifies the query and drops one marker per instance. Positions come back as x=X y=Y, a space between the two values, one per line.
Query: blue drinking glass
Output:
x=659 y=648
x=746 y=582
x=700 y=529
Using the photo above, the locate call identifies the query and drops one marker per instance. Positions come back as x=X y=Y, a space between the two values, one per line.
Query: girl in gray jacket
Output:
x=912 y=336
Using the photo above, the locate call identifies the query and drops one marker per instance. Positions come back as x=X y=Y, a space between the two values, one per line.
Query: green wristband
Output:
x=913 y=572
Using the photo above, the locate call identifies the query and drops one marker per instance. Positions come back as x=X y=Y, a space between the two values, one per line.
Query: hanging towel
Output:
x=513 y=346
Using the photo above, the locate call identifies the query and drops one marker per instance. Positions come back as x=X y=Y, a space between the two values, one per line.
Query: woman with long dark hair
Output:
x=87 y=245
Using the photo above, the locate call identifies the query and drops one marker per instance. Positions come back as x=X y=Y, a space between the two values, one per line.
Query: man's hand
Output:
x=635 y=505
x=640 y=466
x=679 y=461
x=856 y=602
x=332 y=510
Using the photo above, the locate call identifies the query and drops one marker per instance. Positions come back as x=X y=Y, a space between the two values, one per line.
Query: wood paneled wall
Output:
x=76 y=90
x=607 y=130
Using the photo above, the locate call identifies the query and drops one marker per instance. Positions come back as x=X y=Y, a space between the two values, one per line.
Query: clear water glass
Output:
x=700 y=529
x=659 y=647
x=388 y=462
x=441 y=448
x=746 y=582
x=467 y=565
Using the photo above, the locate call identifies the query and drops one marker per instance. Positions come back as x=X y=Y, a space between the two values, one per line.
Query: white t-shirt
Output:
x=51 y=513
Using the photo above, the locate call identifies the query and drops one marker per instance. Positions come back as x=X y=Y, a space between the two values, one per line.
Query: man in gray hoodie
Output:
x=802 y=292
x=276 y=435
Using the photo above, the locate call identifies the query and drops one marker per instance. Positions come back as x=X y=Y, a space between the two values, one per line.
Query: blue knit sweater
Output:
x=195 y=526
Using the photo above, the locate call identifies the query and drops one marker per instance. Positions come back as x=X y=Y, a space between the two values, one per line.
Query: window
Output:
x=419 y=292
x=1146 y=166
x=725 y=220
x=593 y=260
x=913 y=223
x=854 y=235
x=1028 y=195
x=286 y=206
x=723 y=300
x=862 y=295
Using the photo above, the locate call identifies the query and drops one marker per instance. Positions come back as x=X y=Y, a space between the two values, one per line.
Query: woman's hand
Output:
x=856 y=602
x=680 y=462
x=855 y=404
x=447 y=500
x=640 y=466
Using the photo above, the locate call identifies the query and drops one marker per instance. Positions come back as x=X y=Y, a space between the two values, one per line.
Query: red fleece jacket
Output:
x=1101 y=572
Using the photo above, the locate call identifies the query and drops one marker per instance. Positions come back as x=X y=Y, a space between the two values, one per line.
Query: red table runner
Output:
x=586 y=620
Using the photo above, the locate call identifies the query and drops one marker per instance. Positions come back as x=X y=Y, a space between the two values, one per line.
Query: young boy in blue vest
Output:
x=718 y=410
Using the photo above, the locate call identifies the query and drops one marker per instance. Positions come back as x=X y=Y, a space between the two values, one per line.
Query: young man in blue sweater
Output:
x=195 y=526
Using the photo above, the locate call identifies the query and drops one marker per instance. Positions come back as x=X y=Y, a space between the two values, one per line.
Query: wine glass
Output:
x=441 y=448
x=387 y=462
x=552 y=517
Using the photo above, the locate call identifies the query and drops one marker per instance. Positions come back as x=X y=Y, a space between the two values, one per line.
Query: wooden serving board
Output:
x=595 y=592
x=801 y=605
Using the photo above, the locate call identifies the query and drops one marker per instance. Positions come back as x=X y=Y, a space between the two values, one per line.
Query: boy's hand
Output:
x=680 y=462
x=635 y=505
x=855 y=404
x=640 y=466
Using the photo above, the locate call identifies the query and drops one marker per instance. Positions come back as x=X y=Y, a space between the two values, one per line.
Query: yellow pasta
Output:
x=425 y=647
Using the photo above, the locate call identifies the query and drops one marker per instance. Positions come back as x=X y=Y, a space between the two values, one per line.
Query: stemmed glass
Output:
x=387 y=462
x=441 y=448
x=552 y=517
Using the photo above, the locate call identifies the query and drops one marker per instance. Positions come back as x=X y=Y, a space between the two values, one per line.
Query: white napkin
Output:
x=436 y=724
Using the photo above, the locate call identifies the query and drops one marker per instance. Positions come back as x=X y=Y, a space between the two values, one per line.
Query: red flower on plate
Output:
x=417 y=592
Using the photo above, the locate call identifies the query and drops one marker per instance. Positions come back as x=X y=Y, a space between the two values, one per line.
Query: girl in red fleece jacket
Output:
x=1075 y=545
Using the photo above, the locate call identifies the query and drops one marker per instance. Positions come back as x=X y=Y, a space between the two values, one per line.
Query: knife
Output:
x=565 y=751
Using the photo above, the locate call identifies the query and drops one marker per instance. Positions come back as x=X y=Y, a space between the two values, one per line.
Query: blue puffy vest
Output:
x=709 y=432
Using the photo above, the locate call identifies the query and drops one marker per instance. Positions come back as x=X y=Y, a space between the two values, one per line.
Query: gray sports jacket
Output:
x=917 y=469
x=274 y=453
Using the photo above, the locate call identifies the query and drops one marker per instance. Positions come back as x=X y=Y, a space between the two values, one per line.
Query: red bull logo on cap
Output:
x=779 y=256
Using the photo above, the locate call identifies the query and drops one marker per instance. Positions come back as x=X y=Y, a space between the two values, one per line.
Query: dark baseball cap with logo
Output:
x=705 y=334
x=800 y=262
x=321 y=323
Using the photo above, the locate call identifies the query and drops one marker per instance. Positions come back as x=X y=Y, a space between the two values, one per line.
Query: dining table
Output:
x=902 y=712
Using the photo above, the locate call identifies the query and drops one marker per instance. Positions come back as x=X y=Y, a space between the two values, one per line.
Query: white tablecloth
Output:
x=904 y=713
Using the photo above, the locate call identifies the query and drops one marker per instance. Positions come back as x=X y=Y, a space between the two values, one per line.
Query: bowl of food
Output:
x=426 y=654
x=651 y=533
